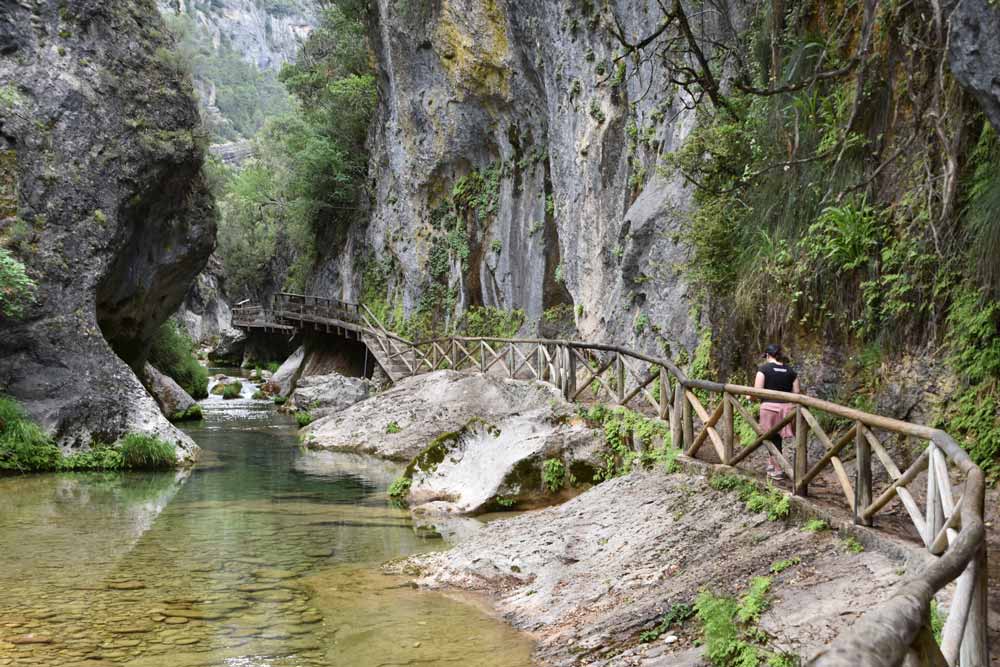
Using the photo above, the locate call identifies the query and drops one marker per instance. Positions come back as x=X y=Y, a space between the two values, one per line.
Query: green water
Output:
x=264 y=555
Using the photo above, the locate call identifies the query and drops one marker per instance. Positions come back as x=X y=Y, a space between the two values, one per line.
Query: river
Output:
x=264 y=555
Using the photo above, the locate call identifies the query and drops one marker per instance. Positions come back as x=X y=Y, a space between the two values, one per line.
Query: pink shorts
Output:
x=771 y=415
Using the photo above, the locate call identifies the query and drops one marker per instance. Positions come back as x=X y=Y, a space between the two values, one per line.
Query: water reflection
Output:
x=266 y=555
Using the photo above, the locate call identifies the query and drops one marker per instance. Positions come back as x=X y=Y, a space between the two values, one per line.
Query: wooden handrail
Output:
x=886 y=633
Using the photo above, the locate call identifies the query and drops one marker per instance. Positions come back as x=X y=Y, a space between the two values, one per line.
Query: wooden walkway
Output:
x=948 y=517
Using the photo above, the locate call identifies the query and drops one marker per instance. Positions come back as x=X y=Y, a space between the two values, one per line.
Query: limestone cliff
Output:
x=512 y=117
x=113 y=220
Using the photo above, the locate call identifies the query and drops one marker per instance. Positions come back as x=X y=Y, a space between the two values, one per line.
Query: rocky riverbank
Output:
x=588 y=578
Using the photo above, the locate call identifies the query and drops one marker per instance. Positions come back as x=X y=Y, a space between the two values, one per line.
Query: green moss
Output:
x=303 y=418
x=393 y=427
x=193 y=413
x=758 y=499
x=400 y=488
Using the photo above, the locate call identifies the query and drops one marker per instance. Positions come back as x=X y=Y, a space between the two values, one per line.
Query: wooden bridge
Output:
x=946 y=511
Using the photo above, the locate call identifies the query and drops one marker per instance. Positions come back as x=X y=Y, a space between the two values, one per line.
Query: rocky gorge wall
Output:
x=514 y=167
x=113 y=217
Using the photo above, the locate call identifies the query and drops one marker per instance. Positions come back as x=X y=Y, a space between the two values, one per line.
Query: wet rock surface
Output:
x=399 y=423
x=500 y=465
x=974 y=52
x=116 y=218
x=587 y=577
x=324 y=395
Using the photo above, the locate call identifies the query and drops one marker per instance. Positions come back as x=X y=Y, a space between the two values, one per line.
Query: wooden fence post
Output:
x=570 y=373
x=482 y=357
x=863 y=476
x=687 y=422
x=676 y=434
x=556 y=378
x=664 y=409
x=801 y=452
x=620 y=377
x=728 y=429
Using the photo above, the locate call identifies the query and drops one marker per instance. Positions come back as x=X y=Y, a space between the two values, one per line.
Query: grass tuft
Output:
x=140 y=451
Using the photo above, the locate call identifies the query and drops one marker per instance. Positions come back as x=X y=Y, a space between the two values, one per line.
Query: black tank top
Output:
x=778 y=377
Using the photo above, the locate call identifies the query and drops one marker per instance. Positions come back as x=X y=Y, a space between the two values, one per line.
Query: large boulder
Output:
x=283 y=380
x=229 y=350
x=400 y=422
x=324 y=395
x=102 y=153
x=175 y=403
x=522 y=461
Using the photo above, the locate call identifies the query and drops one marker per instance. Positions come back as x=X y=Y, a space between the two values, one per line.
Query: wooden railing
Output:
x=700 y=412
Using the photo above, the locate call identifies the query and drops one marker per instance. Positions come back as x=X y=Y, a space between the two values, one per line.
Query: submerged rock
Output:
x=324 y=395
x=103 y=159
x=401 y=422
x=500 y=466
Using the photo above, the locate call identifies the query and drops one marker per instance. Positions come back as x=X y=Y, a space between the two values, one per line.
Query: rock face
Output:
x=268 y=34
x=399 y=423
x=114 y=219
x=324 y=395
x=174 y=402
x=500 y=466
x=974 y=52
x=205 y=313
x=229 y=349
x=588 y=576
x=523 y=93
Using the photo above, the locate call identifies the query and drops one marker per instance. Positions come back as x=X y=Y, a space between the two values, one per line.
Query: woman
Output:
x=776 y=374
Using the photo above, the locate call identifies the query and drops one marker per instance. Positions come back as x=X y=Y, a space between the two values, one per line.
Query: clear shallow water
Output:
x=264 y=555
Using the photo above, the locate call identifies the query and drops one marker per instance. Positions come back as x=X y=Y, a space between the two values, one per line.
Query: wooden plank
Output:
x=816 y=428
x=863 y=476
x=663 y=409
x=801 y=484
x=911 y=473
x=845 y=482
x=749 y=449
x=747 y=417
x=594 y=375
x=943 y=481
x=728 y=432
x=934 y=517
x=570 y=373
x=947 y=533
x=786 y=467
x=708 y=425
x=829 y=456
x=676 y=428
x=642 y=381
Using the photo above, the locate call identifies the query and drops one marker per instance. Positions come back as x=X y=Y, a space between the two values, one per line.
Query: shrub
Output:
x=173 y=353
x=192 y=414
x=24 y=446
x=140 y=451
x=259 y=395
x=553 y=474
x=17 y=289
x=280 y=400
x=303 y=418
x=400 y=488
x=232 y=390
x=815 y=526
